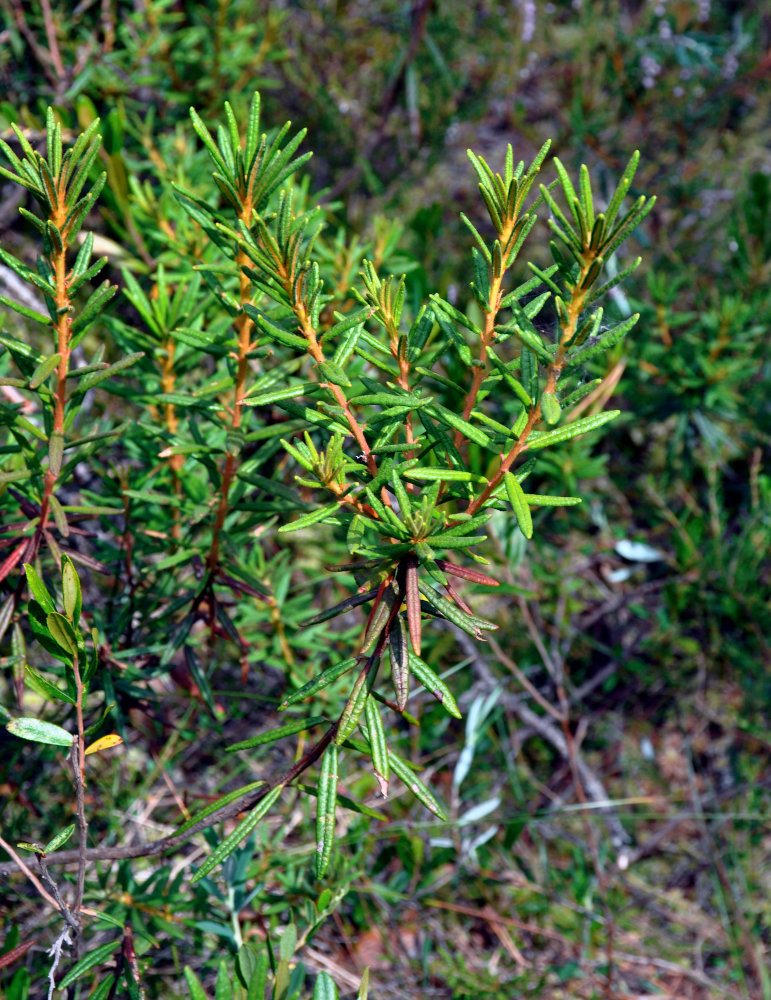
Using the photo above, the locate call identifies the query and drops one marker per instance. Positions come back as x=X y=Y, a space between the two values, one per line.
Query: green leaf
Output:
x=71 y=594
x=43 y=370
x=94 y=378
x=91 y=311
x=543 y=439
x=312 y=518
x=518 y=389
x=349 y=602
x=252 y=966
x=202 y=340
x=273 y=332
x=197 y=991
x=530 y=339
x=357 y=699
x=36 y=317
x=104 y=990
x=288 y=943
x=244 y=828
x=519 y=505
x=539 y=500
x=223 y=988
x=38 y=589
x=606 y=340
x=377 y=743
x=448 y=541
x=550 y=407
x=449 y=328
x=324 y=679
x=38 y=682
x=402 y=770
x=27 y=275
x=459 y=424
x=325 y=809
x=62 y=632
x=153 y=496
x=55 y=452
x=431 y=473
x=286 y=392
x=471 y=624
x=433 y=683
x=96 y=957
x=60 y=518
x=298 y=726
x=40 y=732
x=333 y=373
x=621 y=189
x=212 y=807
x=324 y=988
x=14 y=477
x=60 y=839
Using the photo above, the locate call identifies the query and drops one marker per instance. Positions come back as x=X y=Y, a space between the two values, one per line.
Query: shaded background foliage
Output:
x=661 y=649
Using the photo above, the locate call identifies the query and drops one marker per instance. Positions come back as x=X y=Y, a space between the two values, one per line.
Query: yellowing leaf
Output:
x=104 y=743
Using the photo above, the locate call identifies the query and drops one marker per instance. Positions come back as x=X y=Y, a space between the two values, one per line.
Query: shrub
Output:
x=281 y=442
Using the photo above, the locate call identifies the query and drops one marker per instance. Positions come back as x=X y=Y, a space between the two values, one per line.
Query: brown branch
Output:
x=247 y=801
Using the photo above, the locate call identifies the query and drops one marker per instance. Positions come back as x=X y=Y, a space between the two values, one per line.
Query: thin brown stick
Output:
x=78 y=759
x=53 y=43
x=247 y=801
x=24 y=867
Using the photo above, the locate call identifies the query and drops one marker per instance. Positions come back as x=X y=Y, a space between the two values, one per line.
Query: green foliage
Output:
x=247 y=365
x=300 y=460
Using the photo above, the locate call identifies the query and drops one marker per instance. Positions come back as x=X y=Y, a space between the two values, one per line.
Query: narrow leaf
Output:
x=213 y=807
x=60 y=839
x=40 y=683
x=542 y=440
x=433 y=683
x=459 y=424
x=55 y=452
x=349 y=720
x=550 y=407
x=43 y=370
x=519 y=505
x=412 y=600
x=286 y=392
x=298 y=726
x=244 y=828
x=312 y=518
x=377 y=743
x=96 y=957
x=325 y=809
x=400 y=668
x=402 y=770
x=324 y=679
x=38 y=589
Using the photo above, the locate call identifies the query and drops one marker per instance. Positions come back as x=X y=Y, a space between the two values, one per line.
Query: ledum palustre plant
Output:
x=277 y=407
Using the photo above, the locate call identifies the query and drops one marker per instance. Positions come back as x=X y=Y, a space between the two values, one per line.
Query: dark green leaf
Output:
x=324 y=679
x=298 y=726
x=546 y=438
x=325 y=809
x=95 y=957
x=244 y=828
x=433 y=683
